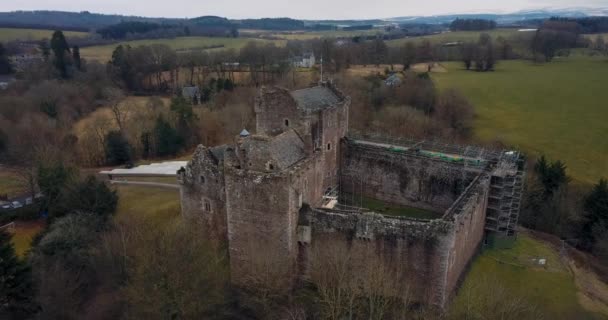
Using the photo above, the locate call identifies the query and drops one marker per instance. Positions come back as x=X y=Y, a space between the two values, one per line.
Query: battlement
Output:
x=300 y=184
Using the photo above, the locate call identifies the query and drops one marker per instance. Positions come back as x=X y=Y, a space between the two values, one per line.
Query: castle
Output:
x=302 y=183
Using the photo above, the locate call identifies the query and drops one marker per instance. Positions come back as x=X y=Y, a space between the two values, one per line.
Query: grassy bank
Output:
x=550 y=288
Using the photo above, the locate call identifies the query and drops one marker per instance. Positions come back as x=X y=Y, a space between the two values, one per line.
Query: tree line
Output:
x=472 y=25
x=579 y=215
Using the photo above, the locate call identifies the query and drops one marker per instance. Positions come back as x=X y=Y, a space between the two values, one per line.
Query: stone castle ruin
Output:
x=302 y=184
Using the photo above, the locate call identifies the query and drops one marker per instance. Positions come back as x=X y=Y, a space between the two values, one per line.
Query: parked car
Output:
x=6 y=206
x=16 y=204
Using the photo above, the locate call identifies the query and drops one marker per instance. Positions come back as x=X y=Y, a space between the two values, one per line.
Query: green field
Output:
x=457 y=36
x=323 y=34
x=104 y=53
x=550 y=288
x=558 y=109
x=11 y=34
x=153 y=204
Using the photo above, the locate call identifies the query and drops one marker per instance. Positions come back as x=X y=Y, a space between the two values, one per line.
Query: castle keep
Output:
x=302 y=184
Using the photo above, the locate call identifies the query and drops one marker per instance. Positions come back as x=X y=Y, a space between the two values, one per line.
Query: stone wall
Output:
x=401 y=179
x=202 y=192
x=262 y=219
x=275 y=111
x=469 y=223
x=430 y=257
x=414 y=250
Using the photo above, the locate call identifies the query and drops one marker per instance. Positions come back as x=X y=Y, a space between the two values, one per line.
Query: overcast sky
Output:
x=302 y=9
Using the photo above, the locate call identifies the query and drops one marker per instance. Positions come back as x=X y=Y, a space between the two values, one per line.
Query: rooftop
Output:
x=315 y=98
x=282 y=151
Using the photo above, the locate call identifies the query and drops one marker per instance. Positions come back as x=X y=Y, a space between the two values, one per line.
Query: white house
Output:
x=305 y=61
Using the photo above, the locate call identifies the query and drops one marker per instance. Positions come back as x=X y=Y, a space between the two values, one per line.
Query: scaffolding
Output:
x=505 y=169
x=505 y=197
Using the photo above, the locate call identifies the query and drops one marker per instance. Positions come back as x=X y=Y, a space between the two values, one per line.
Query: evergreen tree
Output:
x=228 y=85
x=146 y=143
x=5 y=65
x=551 y=175
x=90 y=196
x=185 y=116
x=76 y=57
x=168 y=141
x=118 y=150
x=52 y=178
x=16 y=290
x=60 y=47
x=596 y=214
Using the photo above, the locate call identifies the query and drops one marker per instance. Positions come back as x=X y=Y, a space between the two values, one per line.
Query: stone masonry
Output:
x=281 y=193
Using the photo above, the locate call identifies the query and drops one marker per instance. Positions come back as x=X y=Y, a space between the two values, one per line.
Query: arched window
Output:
x=328 y=146
x=202 y=179
x=287 y=122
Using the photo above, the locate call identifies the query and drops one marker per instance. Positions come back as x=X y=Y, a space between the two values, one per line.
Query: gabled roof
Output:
x=190 y=91
x=315 y=98
x=287 y=149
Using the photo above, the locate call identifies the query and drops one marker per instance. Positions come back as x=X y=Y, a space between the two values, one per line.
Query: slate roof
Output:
x=190 y=92
x=315 y=98
x=282 y=151
x=218 y=152
x=287 y=149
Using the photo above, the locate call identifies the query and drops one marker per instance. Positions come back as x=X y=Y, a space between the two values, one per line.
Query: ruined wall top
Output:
x=370 y=225
x=270 y=154
x=278 y=109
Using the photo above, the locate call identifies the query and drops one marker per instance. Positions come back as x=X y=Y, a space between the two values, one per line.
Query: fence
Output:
x=10 y=227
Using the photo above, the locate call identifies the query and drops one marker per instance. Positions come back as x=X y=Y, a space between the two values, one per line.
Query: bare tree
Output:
x=119 y=109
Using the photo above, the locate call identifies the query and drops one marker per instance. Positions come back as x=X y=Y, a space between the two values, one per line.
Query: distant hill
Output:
x=83 y=21
x=506 y=19
x=86 y=21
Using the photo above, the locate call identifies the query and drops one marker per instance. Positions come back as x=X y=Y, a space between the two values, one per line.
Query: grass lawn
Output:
x=391 y=209
x=104 y=53
x=11 y=34
x=550 y=288
x=156 y=204
x=10 y=184
x=558 y=109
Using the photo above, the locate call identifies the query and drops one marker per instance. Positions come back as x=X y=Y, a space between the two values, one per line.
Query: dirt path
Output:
x=593 y=292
